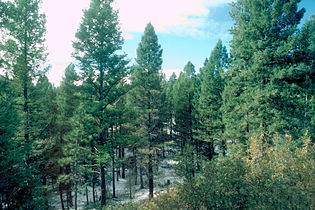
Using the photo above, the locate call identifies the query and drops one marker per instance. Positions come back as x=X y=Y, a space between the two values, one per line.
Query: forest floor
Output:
x=165 y=175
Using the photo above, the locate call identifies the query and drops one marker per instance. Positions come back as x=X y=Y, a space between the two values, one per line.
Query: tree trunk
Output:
x=118 y=168
x=1 y=200
x=87 y=194
x=93 y=189
x=113 y=162
x=68 y=188
x=94 y=179
x=136 y=174
x=25 y=107
x=150 y=166
x=61 y=196
x=210 y=150
x=103 y=186
x=130 y=183
x=76 y=196
x=135 y=165
x=113 y=173
x=150 y=170
x=141 y=179
x=123 y=173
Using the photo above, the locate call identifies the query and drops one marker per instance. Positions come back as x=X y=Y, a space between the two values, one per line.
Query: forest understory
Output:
x=238 y=133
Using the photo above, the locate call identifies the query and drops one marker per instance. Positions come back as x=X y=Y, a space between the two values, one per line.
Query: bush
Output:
x=270 y=174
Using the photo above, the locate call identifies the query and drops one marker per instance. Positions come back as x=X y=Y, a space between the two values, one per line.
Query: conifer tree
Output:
x=183 y=95
x=23 y=55
x=24 y=50
x=11 y=157
x=103 y=71
x=68 y=104
x=306 y=74
x=147 y=95
x=259 y=96
x=74 y=143
x=170 y=104
x=209 y=116
x=44 y=130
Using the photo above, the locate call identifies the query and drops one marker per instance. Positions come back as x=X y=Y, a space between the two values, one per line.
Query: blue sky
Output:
x=181 y=47
x=187 y=29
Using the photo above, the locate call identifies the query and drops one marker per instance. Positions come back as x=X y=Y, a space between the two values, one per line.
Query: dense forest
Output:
x=241 y=130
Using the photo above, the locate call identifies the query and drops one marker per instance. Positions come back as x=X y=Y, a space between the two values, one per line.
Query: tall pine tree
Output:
x=147 y=95
x=260 y=95
x=209 y=118
x=23 y=55
x=183 y=95
x=103 y=70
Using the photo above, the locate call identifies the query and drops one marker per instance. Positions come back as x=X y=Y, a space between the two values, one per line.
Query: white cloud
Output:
x=173 y=16
x=56 y=72
x=169 y=16
x=63 y=19
x=168 y=72
x=127 y=36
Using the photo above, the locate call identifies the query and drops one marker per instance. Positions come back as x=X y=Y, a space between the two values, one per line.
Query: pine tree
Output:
x=209 y=118
x=259 y=96
x=306 y=74
x=103 y=70
x=170 y=104
x=75 y=149
x=24 y=50
x=183 y=95
x=147 y=95
x=68 y=104
x=10 y=154
x=23 y=55
x=44 y=130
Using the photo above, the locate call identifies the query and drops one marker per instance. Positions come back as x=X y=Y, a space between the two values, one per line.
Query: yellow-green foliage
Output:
x=279 y=175
x=168 y=199
x=269 y=174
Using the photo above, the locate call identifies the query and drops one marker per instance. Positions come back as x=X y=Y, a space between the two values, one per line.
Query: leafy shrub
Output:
x=269 y=174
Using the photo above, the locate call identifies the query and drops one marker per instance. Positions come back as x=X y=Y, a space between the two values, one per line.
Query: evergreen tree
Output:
x=183 y=95
x=23 y=55
x=259 y=96
x=11 y=158
x=68 y=104
x=45 y=149
x=306 y=74
x=209 y=118
x=24 y=50
x=103 y=70
x=170 y=104
x=147 y=95
x=75 y=148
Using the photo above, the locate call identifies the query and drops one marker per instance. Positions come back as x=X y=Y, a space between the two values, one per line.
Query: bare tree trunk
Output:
x=113 y=162
x=118 y=168
x=123 y=174
x=93 y=189
x=60 y=186
x=135 y=166
x=150 y=170
x=141 y=179
x=130 y=184
x=87 y=194
x=113 y=173
x=61 y=197
x=136 y=174
x=150 y=141
x=75 y=190
x=68 y=188
x=103 y=186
